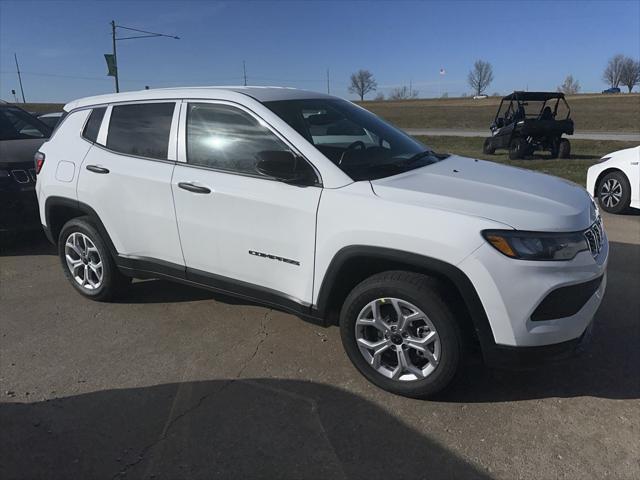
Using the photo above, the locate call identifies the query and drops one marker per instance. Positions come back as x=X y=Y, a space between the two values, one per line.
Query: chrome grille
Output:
x=24 y=176
x=595 y=237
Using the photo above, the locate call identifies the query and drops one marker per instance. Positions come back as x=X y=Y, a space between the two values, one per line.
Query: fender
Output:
x=69 y=203
x=419 y=263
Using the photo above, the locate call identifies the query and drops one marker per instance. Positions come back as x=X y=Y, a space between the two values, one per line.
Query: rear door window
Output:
x=141 y=129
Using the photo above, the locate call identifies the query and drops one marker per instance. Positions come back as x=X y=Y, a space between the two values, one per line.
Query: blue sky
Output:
x=60 y=45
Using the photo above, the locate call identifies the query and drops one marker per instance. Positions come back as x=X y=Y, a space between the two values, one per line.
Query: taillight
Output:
x=38 y=159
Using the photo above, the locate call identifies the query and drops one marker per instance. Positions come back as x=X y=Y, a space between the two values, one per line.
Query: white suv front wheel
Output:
x=399 y=333
x=87 y=263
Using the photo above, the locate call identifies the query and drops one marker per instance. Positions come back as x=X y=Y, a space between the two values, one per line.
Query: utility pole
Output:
x=19 y=78
x=328 y=89
x=410 y=87
x=115 y=57
x=244 y=70
x=113 y=64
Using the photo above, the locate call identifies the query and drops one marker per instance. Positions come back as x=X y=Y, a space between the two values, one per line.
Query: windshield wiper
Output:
x=418 y=156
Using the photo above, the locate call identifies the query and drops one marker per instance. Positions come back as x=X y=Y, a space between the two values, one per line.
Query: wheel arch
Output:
x=59 y=210
x=353 y=264
x=604 y=173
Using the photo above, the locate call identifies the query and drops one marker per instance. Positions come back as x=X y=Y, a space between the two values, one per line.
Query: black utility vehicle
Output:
x=530 y=121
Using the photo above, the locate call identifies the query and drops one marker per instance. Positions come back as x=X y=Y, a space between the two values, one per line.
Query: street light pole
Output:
x=115 y=58
x=114 y=39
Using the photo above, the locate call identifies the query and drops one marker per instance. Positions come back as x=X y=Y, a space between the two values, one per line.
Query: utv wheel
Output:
x=487 y=148
x=614 y=193
x=555 y=148
x=87 y=263
x=517 y=149
x=400 y=335
x=564 y=148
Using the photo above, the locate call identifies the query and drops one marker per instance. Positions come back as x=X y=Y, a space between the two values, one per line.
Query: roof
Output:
x=534 y=96
x=261 y=94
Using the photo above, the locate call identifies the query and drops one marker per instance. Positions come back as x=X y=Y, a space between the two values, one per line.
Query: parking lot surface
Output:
x=176 y=382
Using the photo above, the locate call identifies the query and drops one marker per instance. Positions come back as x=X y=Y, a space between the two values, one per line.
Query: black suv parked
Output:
x=21 y=134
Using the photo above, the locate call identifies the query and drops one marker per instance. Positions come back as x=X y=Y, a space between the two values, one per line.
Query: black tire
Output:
x=564 y=148
x=488 y=148
x=614 y=192
x=517 y=149
x=424 y=293
x=555 y=147
x=112 y=282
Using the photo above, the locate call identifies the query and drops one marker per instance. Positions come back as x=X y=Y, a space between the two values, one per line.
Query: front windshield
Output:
x=357 y=141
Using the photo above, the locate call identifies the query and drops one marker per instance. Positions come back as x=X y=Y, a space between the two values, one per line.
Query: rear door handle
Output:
x=193 y=188
x=97 y=169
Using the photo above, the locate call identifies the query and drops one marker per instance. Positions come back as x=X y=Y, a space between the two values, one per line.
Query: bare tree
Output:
x=403 y=93
x=379 y=97
x=570 y=86
x=362 y=82
x=613 y=73
x=480 y=77
x=630 y=76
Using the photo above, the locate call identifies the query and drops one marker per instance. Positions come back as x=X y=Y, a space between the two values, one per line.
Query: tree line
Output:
x=620 y=70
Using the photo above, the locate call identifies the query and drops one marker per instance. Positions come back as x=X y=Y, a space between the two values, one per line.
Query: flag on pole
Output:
x=442 y=72
x=111 y=64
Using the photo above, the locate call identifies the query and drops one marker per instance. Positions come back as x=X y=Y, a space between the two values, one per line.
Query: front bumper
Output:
x=540 y=307
x=525 y=358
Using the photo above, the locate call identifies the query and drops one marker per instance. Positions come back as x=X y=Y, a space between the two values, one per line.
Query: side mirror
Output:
x=285 y=166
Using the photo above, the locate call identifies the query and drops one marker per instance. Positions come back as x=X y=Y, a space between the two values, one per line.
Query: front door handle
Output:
x=193 y=188
x=97 y=169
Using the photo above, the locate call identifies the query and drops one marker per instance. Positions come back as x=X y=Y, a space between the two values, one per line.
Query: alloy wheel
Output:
x=611 y=193
x=84 y=261
x=397 y=339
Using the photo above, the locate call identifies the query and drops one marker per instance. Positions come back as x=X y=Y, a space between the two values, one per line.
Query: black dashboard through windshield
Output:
x=357 y=141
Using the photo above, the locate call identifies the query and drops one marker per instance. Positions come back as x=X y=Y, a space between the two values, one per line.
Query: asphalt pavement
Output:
x=175 y=382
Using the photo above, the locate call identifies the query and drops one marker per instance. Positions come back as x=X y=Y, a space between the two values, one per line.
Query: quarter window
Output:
x=92 y=126
x=226 y=138
x=141 y=129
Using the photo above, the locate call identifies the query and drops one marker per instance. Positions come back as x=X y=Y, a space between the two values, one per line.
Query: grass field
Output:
x=603 y=113
x=584 y=153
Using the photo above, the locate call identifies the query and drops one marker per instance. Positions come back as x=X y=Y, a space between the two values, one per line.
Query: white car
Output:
x=615 y=180
x=264 y=194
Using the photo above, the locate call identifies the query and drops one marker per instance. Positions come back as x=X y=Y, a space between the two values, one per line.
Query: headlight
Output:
x=604 y=159
x=536 y=245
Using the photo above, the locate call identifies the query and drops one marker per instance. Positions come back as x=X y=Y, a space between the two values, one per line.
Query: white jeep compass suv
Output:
x=311 y=204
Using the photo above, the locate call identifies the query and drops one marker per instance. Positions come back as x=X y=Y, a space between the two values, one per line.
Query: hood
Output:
x=19 y=151
x=520 y=198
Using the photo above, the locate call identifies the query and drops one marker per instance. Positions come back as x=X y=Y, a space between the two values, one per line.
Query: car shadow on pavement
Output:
x=609 y=366
x=25 y=243
x=258 y=429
